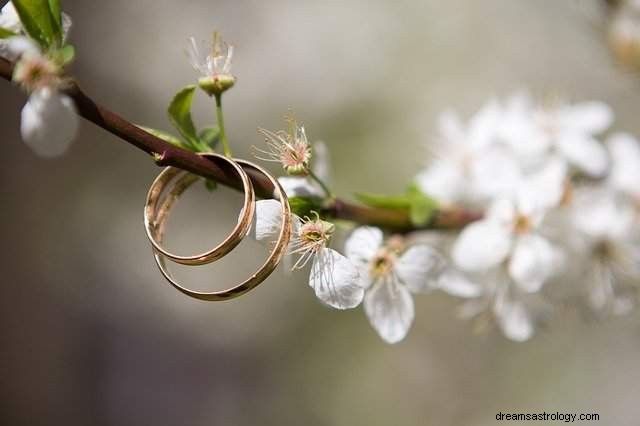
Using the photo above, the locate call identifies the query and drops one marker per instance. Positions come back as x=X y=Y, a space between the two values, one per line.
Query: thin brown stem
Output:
x=166 y=154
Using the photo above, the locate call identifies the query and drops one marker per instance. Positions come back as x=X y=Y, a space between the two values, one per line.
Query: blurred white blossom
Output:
x=49 y=121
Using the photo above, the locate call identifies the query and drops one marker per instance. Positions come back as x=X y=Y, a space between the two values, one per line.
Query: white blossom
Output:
x=510 y=232
x=390 y=275
x=571 y=130
x=334 y=278
x=49 y=122
x=609 y=226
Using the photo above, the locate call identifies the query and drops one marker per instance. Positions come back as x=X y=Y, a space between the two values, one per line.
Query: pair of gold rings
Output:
x=161 y=199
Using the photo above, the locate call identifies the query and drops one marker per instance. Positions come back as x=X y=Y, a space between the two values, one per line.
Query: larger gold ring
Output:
x=233 y=239
x=261 y=274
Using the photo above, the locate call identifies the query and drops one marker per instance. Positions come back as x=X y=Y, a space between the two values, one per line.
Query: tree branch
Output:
x=166 y=154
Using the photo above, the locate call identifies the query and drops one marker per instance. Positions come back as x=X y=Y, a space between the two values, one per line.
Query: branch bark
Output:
x=166 y=154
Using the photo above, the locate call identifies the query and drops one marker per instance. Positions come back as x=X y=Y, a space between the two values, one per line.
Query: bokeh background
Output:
x=91 y=333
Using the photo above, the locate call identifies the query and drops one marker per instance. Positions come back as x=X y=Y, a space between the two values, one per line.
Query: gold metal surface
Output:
x=152 y=219
x=159 y=216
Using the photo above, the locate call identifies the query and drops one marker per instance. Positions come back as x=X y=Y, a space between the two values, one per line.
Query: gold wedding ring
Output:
x=157 y=213
x=241 y=229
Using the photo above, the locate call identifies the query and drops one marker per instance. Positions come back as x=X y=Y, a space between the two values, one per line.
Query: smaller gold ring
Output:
x=233 y=239
x=272 y=261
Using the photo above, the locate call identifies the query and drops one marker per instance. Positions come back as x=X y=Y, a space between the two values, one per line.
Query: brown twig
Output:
x=166 y=154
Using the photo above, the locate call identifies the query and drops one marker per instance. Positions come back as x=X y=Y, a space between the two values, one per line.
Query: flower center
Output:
x=315 y=233
x=382 y=263
x=34 y=73
x=522 y=224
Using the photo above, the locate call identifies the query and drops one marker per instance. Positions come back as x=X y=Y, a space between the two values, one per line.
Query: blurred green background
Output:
x=91 y=334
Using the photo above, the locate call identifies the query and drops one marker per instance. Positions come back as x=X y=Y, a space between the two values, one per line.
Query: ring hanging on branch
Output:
x=158 y=213
x=154 y=219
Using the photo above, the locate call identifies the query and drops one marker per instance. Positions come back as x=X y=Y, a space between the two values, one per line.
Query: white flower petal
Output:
x=336 y=280
x=456 y=284
x=20 y=45
x=588 y=117
x=600 y=215
x=419 y=268
x=363 y=243
x=481 y=245
x=299 y=187
x=268 y=220
x=484 y=125
x=514 y=321
x=502 y=211
x=390 y=310
x=545 y=188
x=625 y=163
x=494 y=172
x=49 y=122
x=533 y=261
x=584 y=152
x=444 y=181
x=9 y=18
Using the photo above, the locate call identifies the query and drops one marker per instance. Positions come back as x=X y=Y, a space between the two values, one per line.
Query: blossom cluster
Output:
x=560 y=203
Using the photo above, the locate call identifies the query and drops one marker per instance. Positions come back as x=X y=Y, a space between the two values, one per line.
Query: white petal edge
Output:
x=457 y=284
x=481 y=245
x=584 y=152
x=514 y=320
x=268 y=220
x=49 y=122
x=419 y=268
x=336 y=280
x=533 y=261
x=389 y=308
x=363 y=243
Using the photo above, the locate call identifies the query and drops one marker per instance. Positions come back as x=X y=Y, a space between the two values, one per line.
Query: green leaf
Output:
x=167 y=137
x=422 y=207
x=64 y=56
x=5 y=33
x=38 y=22
x=56 y=14
x=210 y=136
x=303 y=206
x=384 y=201
x=180 y=115
x=211 y=185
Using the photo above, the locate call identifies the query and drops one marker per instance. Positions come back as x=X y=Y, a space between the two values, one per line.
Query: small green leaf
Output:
x=64 y=56
x=37 y=21
x=385 y=201
x=5 y=33
x=419 y=206
x=180 y=115
x=167 y=137
x=211 y=185
x=303 y=206
x=56 y=14
x=422 y=207
x=421 y=211
x=210 y=136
